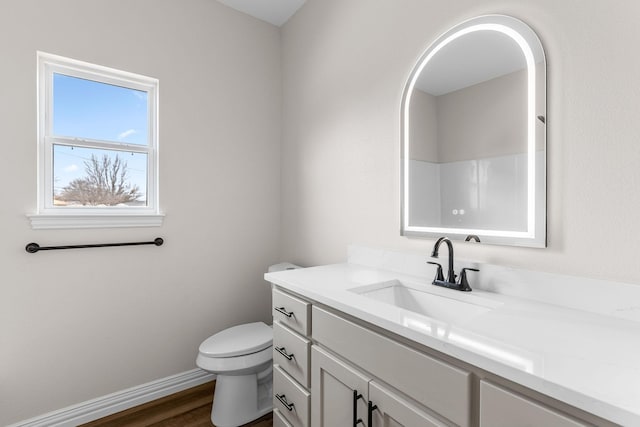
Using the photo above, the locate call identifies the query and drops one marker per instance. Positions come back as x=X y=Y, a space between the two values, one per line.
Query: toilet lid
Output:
x=238 y=340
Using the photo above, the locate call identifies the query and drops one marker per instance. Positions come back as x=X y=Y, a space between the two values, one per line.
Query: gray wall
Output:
x=75 y=325
x=345 y=64
x=423 y=127
x=487 y=119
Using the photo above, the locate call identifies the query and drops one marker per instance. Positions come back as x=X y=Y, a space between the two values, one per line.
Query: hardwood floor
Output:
x=188 y=408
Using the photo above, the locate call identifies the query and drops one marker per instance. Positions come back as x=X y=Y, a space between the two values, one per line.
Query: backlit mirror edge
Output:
x=535 y=238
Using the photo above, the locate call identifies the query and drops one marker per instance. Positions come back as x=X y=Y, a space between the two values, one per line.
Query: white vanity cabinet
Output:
x=279 y=420
x=292 y=312
x=291 y=359
x=442 y=392
x=342 y=395
x=392 y=410
x=339 y=392
x=333 y=370
x=500 y=407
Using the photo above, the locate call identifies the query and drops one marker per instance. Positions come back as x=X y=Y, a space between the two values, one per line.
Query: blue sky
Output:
x=93 y=110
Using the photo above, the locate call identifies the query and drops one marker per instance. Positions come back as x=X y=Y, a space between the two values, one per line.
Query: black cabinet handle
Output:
x=283 y=311
x=283 y=399
x=463 y=282
x=283 y=352
x=370 y=410
x=439 y=274
x=356 y=420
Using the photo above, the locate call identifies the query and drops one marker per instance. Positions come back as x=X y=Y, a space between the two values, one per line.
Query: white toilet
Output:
x=241 y=356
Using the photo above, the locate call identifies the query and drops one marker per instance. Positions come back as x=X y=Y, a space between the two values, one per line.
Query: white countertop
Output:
x=586 y=359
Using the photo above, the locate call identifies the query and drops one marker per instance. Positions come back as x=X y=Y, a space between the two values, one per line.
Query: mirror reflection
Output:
x=473 y=145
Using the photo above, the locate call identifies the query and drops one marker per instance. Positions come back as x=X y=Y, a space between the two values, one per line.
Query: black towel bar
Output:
x=32 y=248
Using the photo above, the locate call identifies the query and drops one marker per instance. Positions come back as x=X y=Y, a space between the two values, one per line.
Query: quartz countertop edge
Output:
x=584 y=359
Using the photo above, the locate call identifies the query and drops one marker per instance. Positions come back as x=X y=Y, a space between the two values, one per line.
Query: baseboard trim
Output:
x=100 y=407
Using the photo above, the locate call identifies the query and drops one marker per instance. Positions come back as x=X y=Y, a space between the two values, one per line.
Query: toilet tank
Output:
x=282 y=266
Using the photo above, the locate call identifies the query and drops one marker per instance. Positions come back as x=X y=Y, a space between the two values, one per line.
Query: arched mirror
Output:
x=474 y=136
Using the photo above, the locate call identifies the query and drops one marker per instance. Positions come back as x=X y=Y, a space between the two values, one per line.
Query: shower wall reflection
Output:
x=466 y=171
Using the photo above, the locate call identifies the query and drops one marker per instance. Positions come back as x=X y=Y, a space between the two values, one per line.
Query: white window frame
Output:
x=49 y=216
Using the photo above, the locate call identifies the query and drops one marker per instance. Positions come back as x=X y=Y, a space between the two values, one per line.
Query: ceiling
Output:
x=276 y=12
x=472 y=59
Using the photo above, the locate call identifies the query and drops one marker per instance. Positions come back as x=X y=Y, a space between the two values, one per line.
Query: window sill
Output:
x=66 y=221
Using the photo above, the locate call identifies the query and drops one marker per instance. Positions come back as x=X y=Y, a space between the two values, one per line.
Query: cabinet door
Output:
x=437 y=385
x=392 y=410
x=280 y=420
x=335 y=386
x=502 y=408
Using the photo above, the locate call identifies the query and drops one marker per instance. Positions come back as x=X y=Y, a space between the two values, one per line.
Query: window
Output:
x=97 y=146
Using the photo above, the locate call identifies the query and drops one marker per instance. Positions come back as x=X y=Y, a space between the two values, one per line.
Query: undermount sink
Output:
x=417 y=299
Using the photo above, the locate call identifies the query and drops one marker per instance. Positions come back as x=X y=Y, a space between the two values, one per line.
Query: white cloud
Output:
x=71 y=168
x=126 y=133
x=142 y=96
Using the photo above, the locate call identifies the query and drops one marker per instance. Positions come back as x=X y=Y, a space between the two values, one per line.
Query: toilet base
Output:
x=239 y=399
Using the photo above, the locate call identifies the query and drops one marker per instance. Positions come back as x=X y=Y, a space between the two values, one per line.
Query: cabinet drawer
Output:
x=291 y=352
x=502 y=408
x=279 y=420
x=439 y=386
x=292 y=311
x=290 y=399
x=394 y=410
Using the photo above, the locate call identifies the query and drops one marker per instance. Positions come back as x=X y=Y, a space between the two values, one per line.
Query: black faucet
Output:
x=462 y=284
x=451 y=275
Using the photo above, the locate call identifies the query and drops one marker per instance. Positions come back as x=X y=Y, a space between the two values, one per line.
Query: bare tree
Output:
x=105 y=183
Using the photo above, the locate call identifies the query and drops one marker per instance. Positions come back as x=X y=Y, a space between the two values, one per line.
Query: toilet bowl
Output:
x=241 y=357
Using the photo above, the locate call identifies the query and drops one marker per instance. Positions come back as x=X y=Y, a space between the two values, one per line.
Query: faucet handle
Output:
x=439 y=274
x=463 y=282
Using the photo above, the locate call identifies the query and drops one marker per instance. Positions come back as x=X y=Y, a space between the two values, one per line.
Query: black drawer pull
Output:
x=283 y=352
x=283 y=399
x=370 y=410
x=356 y=420
x=283 y=311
